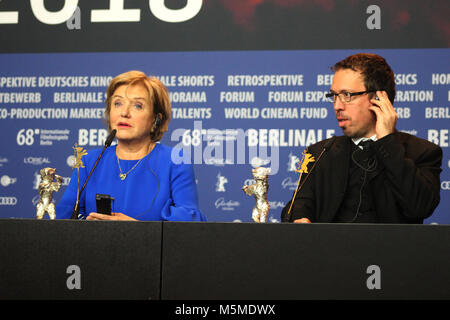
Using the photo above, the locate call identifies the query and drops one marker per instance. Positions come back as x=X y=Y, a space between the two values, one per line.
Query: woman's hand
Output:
x=116 y=216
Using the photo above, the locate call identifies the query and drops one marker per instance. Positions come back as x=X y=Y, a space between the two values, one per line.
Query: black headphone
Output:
x=158 y=121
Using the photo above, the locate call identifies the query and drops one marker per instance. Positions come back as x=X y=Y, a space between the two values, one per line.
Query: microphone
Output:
x=108 y=141
x=326 y=147
x=110 y=138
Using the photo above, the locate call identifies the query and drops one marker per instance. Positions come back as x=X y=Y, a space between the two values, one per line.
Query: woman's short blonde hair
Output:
x=157 y=93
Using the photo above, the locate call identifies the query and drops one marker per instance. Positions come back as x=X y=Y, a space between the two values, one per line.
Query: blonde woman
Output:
x=138 y=172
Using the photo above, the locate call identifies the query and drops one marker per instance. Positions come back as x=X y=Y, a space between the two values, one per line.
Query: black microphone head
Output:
x=110 y=138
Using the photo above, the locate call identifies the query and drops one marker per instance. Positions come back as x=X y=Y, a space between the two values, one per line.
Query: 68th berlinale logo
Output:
x=445 y=185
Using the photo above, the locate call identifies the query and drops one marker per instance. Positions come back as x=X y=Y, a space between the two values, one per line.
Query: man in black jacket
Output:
x=374 y=173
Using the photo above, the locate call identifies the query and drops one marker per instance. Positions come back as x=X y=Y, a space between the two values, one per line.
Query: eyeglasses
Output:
x=345 y=96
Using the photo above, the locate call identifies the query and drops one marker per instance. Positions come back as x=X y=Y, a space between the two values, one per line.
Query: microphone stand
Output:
x=76 y=209
x=299 y=186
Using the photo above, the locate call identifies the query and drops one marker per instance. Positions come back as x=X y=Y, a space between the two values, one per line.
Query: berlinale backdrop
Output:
x=247 y=81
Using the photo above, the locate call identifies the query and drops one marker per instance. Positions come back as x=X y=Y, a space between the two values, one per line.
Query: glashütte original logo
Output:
x=3 y=161
x=229 y=205
x=289 y=184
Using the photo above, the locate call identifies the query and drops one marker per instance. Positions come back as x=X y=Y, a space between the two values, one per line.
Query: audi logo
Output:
x=8 y=201
x=445 y=185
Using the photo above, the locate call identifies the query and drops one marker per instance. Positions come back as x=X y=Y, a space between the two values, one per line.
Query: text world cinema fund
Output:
x=114 y=13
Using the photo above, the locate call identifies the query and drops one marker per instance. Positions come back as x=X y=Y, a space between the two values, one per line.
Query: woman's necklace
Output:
x=122 y=175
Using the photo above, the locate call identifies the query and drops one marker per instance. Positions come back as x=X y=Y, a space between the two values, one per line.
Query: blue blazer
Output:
x=156 y=189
